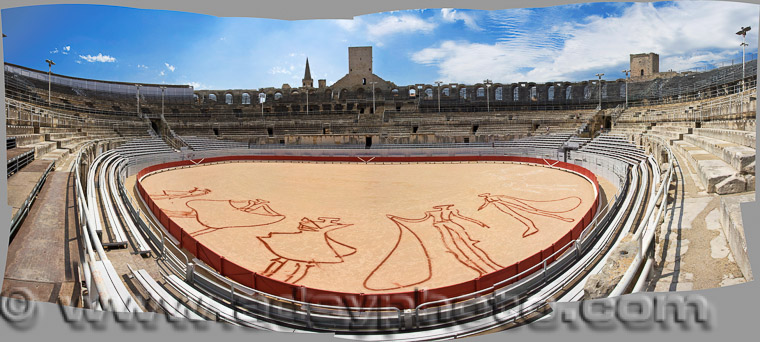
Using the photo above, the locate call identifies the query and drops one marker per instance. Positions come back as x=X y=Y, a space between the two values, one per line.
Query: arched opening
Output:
x=622 y=90
x=481 y=92
x=212 y=97
x=195 y=98
x=604 y=91
x=587 y=92
x=228 y=99
x=246 y=99
x=277 y=95
x=445 y=91
x=533 y=94
x=516 y=94
x=343 y=94
x=569 y=93
x=642 y=72
x=412 y=92
x=498 y=94
x=394 y=92
x=429 y=93
x=551 y=93
x=463 y=93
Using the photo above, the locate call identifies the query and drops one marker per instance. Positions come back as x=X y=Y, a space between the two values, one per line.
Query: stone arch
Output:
x=481 y=92
x=277 y=95
x=463 y=93
x=212 y=97
x=569 y=93
x=550 y=94
x=246 y=99
x=499 y=93
x=445 y=91
x=516 y=94
x=228 y=98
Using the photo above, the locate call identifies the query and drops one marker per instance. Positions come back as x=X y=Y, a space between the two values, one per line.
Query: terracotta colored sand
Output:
x=367 y=228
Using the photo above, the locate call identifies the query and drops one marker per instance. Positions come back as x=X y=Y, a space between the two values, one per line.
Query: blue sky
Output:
x=560 y=43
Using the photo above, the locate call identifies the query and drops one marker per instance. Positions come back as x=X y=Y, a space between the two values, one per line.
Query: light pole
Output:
x=600 y=90
x=50 y=68
x=163 y=88
x=743 y=33
x=139 y=115
x=626 y=87
x=374 y=110
x=438 y=84
x=488 y=84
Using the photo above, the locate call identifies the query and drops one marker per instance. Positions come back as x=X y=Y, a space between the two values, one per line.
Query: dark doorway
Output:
x=270 y=131
x=367 y=142
x=216 y=131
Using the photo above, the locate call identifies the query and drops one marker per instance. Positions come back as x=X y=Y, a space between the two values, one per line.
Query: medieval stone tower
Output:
x=360 y=60
x=645 y=64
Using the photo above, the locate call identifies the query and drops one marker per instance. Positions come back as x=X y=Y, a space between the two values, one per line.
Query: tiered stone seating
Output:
x=203 y=144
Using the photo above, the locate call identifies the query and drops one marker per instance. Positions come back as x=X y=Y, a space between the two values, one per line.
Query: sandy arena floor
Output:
x=372 y=228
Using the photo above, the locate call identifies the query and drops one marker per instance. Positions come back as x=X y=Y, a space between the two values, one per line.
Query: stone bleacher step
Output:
x=744 y=138
x=716 y=175
x=741 y=158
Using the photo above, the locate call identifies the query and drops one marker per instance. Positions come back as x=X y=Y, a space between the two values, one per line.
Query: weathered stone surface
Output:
x=601 y=285
x=733 y=228
x=731 y=185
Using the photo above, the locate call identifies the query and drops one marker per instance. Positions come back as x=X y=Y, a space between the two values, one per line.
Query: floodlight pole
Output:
x=600 y=90
x=139 y=115
x=374 y=110
x=163 y=88
x=50 y=68
x=626 y=86
x=438 y=83
x=488 y=94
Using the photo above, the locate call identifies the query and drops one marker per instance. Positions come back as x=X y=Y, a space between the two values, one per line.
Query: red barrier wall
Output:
x=401 y=300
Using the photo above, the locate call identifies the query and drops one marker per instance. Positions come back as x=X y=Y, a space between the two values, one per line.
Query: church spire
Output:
x=307 y=81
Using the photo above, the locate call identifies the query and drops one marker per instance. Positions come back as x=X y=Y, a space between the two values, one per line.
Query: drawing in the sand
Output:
x=520 y=207
x=410 y=258
x=214 y=215
x=172 y=194
x=310 y=246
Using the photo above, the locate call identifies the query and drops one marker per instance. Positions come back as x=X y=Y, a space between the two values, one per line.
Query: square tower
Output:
x=645 y=64
x=360 y=60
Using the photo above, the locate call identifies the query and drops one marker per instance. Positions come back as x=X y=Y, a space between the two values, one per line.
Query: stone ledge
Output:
x=733 y=228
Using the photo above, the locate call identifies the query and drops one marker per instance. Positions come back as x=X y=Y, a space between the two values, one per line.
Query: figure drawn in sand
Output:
x=519 y=207
x=450 y=228
x=172 y=194
x=214 y=215
x=310 y=246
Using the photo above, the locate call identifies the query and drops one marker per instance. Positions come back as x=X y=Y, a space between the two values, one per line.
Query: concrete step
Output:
x=716 y=175
x=741 y=158
x=739 y=137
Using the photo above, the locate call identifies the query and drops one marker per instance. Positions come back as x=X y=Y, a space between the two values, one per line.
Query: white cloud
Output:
x=142 y=66
x=279 y=70
x=54 y=51
x=162 y=73
x=66 y=49
x=79 y=62
x=452 y=15
x=350 y=25
x=197 y=85
x=684 y=34
x=99 y=58
x=399 y=24
x=169 y=66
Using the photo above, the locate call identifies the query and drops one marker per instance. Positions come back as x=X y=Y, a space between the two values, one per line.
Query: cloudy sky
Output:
x=560 y=43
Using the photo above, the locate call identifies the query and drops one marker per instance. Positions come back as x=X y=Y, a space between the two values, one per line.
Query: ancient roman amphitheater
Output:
x=372 y=210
